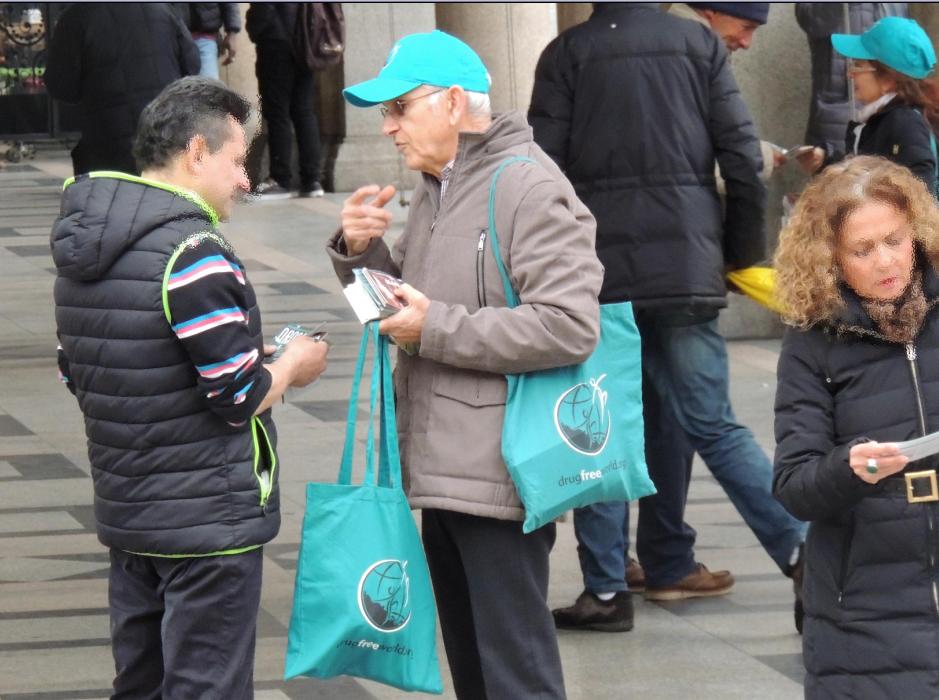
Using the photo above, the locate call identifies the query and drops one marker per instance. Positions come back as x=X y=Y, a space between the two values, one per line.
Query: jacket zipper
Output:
x=845 y=556
x=481 y=270
x=930 y=510
x=911 y=357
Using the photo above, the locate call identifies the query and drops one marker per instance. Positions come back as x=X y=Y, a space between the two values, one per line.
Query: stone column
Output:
x=509 y=37
x=927 y=14
x=239 y=76
x=775 y=79
x=365 y=156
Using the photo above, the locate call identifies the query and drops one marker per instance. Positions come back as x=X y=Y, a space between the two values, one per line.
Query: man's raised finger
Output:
x=358 y=197
x=383 y=197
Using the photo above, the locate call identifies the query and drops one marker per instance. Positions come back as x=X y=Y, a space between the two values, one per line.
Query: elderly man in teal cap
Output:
x=489 y=578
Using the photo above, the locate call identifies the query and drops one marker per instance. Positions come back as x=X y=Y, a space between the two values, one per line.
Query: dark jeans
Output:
x=184 y=628
x=491 y=586
x=686 y=410
x=286 y=91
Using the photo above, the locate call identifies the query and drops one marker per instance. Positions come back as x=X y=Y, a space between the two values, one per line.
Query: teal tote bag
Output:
x=363 y=603
x=573 y=436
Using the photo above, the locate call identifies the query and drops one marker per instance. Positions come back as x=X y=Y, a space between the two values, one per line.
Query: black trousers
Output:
x=286 y=91
x=491 y=586
x=184 y=628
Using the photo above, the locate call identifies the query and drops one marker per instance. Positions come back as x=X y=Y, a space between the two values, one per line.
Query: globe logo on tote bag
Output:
x=581 y=418
x=384 y=595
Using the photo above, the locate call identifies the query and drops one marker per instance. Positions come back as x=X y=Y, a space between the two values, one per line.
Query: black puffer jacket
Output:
x=635 y=105
x=897 y=132
x=271 y=22
x=871 y=593
x=171 y=476
x=113 y=59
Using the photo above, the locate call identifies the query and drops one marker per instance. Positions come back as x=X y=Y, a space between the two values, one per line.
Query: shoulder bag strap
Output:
x=510 y=295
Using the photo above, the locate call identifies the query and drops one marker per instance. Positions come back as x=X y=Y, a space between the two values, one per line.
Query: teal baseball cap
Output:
x=897 y=42
x=430 y=58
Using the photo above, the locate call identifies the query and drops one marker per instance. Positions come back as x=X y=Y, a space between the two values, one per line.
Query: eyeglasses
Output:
x=397 y=108
x=854 y=67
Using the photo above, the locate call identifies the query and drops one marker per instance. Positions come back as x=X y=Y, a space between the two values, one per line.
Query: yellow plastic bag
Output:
x=759 y=284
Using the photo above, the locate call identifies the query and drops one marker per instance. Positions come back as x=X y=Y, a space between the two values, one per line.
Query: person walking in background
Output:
x=112 y=59
x=736 y=24
x=887 y=65
x=490 y=579
x=160 y=341
x=665 y=244
x=205 y=21
x=859 y=371
x=831 y=106
x=286 y=87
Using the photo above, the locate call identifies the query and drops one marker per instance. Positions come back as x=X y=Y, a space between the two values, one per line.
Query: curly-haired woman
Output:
x=859 y=371
x=888 y=65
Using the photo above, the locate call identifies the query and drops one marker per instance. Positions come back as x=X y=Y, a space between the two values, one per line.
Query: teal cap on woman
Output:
x=897 y=42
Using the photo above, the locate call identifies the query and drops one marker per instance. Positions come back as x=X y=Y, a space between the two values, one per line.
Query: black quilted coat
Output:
x=872 y=577
x=635 y=105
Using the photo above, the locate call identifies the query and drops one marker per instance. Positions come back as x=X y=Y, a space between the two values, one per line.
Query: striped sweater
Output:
x=205 y=295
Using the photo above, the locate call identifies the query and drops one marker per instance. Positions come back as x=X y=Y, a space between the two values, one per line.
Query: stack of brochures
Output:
x=372 y=295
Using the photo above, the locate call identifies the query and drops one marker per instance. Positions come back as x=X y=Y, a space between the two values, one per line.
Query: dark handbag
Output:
x=320 y=34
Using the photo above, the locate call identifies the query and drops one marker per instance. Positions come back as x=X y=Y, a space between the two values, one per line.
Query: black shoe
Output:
x=590 y=613
x=269 y=190
x=314 y=190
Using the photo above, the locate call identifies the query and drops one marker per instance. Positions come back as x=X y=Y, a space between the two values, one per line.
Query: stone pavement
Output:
x=53 y=572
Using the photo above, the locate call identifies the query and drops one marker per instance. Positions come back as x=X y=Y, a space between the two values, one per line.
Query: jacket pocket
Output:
x=846 y=544
x=470 y=387
x=265 y=460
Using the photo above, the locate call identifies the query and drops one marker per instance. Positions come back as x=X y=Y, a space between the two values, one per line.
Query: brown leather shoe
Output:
x=590 y=613
x=700 y=583
x=635 y=576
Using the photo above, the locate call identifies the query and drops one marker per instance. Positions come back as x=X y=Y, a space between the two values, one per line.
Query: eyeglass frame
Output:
x=854 y=68
x=400 y=105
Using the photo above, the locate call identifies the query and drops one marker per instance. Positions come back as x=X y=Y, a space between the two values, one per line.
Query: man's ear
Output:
x=196 y=151
x=456 y=104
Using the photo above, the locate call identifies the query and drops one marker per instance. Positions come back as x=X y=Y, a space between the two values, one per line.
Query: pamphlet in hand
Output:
x=918 y=448
x=372 y=295
x=793 y=152
x=291 y=331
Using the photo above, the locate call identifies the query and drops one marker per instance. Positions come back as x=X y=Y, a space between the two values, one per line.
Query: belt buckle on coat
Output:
x=911 y=479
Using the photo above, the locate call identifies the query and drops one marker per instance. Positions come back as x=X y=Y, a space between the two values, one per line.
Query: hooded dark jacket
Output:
x=635 y=105
x=171 y=475
x=871 y=587
x=112 y=59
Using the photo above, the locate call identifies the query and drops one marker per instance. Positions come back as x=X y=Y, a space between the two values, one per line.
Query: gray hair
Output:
x=477 y=103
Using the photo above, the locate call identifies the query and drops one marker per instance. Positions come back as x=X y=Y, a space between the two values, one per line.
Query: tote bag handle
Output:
x=389 y=462
x=511 y=297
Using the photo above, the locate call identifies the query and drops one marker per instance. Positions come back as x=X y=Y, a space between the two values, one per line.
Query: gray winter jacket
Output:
x=830 y=109
x=451 y=396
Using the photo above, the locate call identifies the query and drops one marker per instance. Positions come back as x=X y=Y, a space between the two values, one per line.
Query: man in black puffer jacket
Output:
x=112 y=59
x=635 y=106
x=161 y=343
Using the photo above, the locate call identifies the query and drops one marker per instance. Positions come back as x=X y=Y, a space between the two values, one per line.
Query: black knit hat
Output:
x=753 y=11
